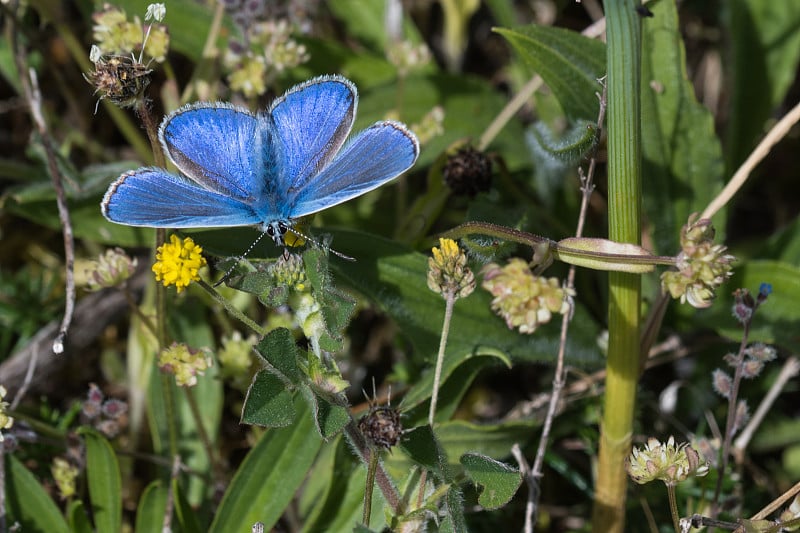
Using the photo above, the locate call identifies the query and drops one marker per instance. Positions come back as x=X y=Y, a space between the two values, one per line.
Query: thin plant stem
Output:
x=450 y=300
x=559 y=380
x=33 y=97
x=730 y=420
x=244 y=319
x=170 y=504
x=673 y=507
x=790 y=369
x=382 y=479
x=372 y=466
x=778 y=132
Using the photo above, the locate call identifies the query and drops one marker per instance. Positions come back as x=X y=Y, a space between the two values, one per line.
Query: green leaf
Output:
x=104 y=480
x=493 y=440
x=394 y=276
x=78 y=519
x=268 y=402
x=775 y=320
x=571 y=145
x=421 y=446
x=682 y=157
x=267 y=479
x=27 y=501
x=150 y=511
x=764 y=54
x=185 y=514
x=278 y=348
x=498 y=482
x=329 y=418
x=569 y=63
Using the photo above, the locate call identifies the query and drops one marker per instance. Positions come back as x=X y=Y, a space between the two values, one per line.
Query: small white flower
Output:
x=95 y=54
x=155 y=12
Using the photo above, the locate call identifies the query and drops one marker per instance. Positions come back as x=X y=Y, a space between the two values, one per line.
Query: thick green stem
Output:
x=624 y=213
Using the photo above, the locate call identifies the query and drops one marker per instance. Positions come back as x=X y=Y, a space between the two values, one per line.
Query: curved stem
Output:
x=244 y=319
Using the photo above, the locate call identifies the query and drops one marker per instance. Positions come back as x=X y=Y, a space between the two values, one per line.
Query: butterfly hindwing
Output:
x=312 y=121
x=152 y=197
x=375 y=156
x=221 y=147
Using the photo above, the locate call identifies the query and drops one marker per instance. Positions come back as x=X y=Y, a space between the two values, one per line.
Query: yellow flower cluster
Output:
x=448 y=271
x=525 y=301
x=178 y=262
x=185 y=363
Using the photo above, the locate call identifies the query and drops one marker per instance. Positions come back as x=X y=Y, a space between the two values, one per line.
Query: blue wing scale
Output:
x=152 y=197
x=375 y=156
x=221 y=147
x=312 y=121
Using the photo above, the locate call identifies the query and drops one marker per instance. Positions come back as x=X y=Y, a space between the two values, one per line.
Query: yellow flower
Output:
x=178 y=263
x=448 y=271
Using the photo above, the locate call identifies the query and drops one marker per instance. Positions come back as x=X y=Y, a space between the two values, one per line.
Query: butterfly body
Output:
x=238 y=168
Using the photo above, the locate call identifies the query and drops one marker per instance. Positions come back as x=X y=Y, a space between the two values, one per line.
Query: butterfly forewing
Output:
x=312 y=121
x=219 y=146
x=152 y=197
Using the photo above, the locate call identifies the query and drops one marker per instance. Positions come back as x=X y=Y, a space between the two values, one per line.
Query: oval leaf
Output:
x=104 y=480
x=498 y=481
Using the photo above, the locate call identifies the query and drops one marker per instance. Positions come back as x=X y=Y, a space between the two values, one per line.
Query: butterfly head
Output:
x=277 y=230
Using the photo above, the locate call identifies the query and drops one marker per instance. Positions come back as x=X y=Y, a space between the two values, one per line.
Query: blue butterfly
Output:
x=267 y=169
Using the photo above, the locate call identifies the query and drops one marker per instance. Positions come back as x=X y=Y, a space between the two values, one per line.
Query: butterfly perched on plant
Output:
x=268 y=169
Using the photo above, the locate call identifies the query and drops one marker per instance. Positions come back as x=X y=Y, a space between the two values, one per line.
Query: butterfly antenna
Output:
x=319 y=244
x=240 y=259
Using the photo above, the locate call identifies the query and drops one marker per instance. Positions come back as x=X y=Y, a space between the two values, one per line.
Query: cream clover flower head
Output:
x=667 y=462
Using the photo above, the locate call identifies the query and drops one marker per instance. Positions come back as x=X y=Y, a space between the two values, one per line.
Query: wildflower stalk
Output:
x=731 y=418
x=624 y=212
x=372 y=467
x=673 y=507
x=244 y=319
x=450 y=300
